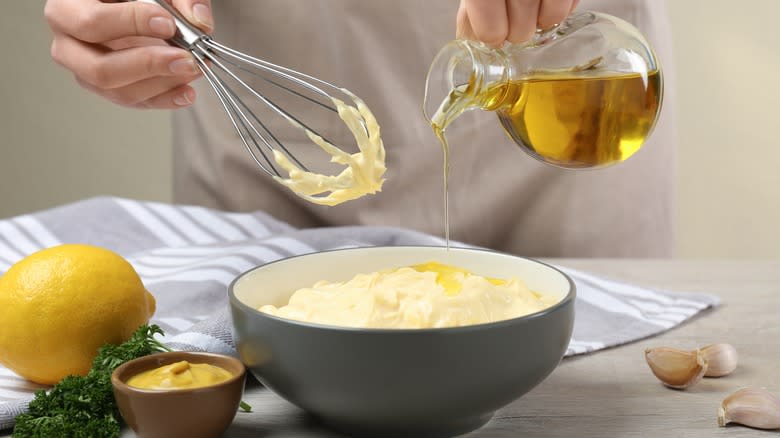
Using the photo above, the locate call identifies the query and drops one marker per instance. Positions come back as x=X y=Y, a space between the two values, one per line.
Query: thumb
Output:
x=197 y=12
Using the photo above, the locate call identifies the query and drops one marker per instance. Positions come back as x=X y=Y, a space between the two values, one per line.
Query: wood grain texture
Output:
x=612 y=393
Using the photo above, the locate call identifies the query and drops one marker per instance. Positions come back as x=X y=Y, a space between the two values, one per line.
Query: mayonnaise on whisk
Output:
x=364 y=171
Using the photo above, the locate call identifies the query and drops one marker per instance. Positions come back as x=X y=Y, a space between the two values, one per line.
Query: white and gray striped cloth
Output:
x=188 y=255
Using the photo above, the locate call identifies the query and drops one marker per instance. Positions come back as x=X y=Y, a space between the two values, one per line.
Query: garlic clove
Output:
x=676 y=368
x=721 y=359
x=751 y=407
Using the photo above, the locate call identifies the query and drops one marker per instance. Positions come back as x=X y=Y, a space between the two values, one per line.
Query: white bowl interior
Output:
x=275 y=282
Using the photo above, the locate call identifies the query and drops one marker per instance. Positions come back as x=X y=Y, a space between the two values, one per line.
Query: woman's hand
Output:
x=117 y=50
x=495 y=21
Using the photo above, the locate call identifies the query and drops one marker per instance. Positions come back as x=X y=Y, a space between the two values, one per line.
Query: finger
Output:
x=197 y=12
x=107 y=69
x=488 y=20
x=463 y=28
x=128 y=42
x=552 y=12
x=574 y=6
x=97 y=22
x=178 y=97
x=523 y=16
x=134 y=94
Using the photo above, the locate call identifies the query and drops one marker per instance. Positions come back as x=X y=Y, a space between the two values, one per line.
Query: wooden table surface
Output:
x=612 y=393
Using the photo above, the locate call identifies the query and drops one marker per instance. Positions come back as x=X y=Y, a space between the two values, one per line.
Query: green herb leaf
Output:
x=84 y=406
x=246 y=407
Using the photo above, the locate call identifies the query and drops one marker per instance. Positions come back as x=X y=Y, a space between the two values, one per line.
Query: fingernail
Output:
x=183 y=66
x=202 y=15
x=162 y=26
x=183 y=99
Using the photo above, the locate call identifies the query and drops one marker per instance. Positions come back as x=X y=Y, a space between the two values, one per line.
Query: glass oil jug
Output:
x=584 y=94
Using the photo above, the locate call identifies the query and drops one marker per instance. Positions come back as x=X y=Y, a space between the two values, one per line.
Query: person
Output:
x=499 y=197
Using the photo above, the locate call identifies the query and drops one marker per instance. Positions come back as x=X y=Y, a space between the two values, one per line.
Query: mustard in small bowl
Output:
x=179 y=394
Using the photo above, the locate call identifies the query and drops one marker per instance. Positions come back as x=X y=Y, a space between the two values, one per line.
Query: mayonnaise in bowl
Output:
x=427 y=295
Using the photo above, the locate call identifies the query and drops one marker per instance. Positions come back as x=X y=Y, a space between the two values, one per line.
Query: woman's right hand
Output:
x=117 y=50
x=494 y=22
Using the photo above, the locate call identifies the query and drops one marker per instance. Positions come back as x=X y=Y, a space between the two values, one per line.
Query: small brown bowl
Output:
x=193 y=413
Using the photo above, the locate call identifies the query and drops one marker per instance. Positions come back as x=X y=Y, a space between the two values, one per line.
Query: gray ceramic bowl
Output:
x=385 y=382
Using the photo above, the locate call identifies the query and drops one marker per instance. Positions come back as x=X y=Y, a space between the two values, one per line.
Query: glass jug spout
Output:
x=462 y=68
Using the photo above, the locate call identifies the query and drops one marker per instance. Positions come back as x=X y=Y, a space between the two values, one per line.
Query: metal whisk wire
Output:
x=215 y=60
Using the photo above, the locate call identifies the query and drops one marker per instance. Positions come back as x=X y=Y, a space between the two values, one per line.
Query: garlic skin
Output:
x=721 y=359
x=676 y=368
x=751 y=407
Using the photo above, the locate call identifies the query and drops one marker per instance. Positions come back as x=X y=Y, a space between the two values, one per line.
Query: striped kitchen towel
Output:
x=188 y=255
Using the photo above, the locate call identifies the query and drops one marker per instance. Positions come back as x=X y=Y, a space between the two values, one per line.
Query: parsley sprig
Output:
x=84 y=406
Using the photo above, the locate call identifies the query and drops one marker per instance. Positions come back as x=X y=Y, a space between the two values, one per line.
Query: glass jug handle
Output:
x=552 y=33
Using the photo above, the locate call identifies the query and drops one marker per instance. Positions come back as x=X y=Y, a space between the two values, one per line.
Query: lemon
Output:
x=59 y=305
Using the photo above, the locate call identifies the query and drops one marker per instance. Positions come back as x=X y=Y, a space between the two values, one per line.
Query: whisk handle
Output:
x=186 y=34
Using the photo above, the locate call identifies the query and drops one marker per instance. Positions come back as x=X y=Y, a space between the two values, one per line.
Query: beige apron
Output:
x=500 y=198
